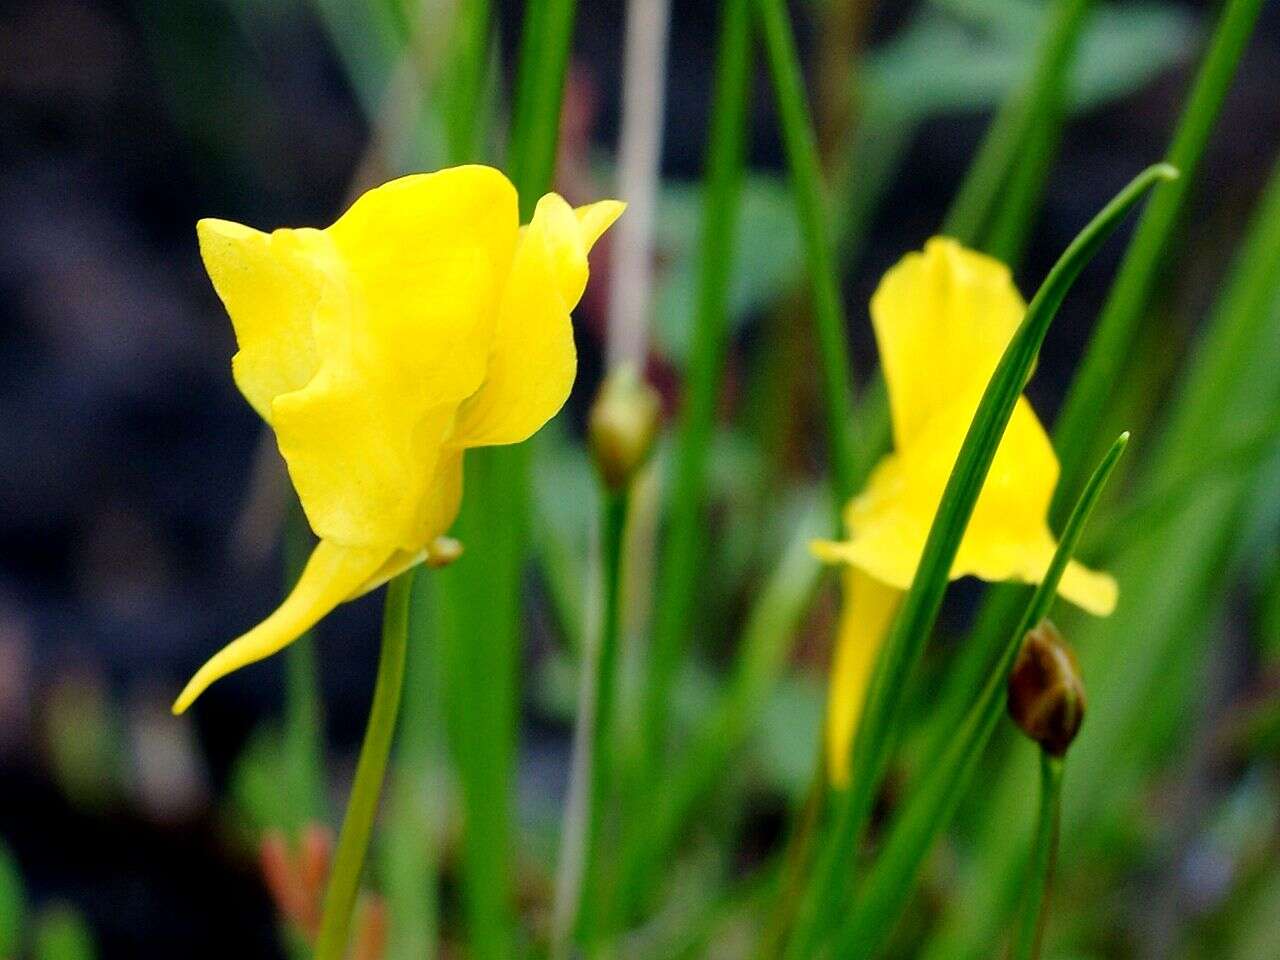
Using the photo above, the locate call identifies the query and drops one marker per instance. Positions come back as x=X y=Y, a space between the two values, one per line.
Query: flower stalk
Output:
x=357 y=825
x=1030 y=932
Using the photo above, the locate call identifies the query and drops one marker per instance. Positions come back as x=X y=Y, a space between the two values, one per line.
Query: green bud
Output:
x=622 y=426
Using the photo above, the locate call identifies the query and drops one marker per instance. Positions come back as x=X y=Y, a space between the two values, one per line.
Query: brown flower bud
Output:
x=622 y=426
x=1046 y=694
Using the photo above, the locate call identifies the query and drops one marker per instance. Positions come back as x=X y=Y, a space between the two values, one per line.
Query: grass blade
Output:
x=888 y=887
x=811 y=203
x=1161 y=625
x=1076 y=433
x=878 y=729
x=678 y=573
x=766 y=640
x=1019 y=144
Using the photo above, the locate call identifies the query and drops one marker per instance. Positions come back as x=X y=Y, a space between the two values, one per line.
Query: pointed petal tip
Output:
x=595 y=218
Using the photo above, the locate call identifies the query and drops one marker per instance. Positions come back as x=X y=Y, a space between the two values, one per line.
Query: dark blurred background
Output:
x=127 y=457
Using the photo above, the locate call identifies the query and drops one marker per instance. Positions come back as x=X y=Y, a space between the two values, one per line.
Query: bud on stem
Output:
x=1046 y=694
x=622 y=426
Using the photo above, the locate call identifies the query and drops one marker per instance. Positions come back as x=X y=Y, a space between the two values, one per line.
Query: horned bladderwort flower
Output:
x=942 y=320
x=425 y=321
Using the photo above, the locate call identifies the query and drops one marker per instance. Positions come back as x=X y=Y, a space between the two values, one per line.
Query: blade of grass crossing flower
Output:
x=303 y=714
x=1076 y=433
x=810 y=202
x=678 y=574
x=1030 y=930
x=878 y=730
x=1019 y=143
x=357 y=825
x=1173 y=572
x=888 y=887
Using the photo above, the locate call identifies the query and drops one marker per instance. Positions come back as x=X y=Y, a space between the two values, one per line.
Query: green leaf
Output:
x=13 y=905
x=941 y=64
x=62 y=934
x=758 y=271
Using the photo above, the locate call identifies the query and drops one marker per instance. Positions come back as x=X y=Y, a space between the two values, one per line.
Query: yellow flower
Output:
x=942 y=320
x=425 y=321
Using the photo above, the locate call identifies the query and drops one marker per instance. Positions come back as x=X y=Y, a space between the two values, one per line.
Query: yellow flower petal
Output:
x=942 y=319
x=361 y=458
x=866 y=614
x=270 y=284
x=330 y=576
x=533 y=363
x=1008 y=537
x=424 y=260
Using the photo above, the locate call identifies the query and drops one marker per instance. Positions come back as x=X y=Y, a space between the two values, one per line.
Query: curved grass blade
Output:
x=878 y=730
x=1175 y=570
x=888 y=887
x=1019 y=144
x=1076 y=433
x=678 y=579
x=811 y=204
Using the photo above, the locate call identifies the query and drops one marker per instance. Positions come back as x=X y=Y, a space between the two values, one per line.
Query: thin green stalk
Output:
x=357 y=825
x=1076 y=433
x=765 y=643
x=879 y=728
x=811 y=210
x=303 y=715
x=1030 y=118
x=678 y=566
x=544 y=60
x=1030 y=932
x=409 y=855
x=464 y=81
x=578 y=893
x=479 y=612
x=888 y=887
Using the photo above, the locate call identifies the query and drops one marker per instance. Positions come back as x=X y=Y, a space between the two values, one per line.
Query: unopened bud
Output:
x=622 y=426
x=1046 y=694
x=442 y=551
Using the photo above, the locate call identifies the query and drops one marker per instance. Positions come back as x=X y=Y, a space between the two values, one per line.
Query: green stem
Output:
x=409 y=855
x=1078 y=431
x=811 y=204
x=544 y=59
x=678 y=566
x=464 y=113
x=303 y=720
x=878 y=729
x=586 y=822
x=1030 y=932
x=357 y=825
x=766 y=641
